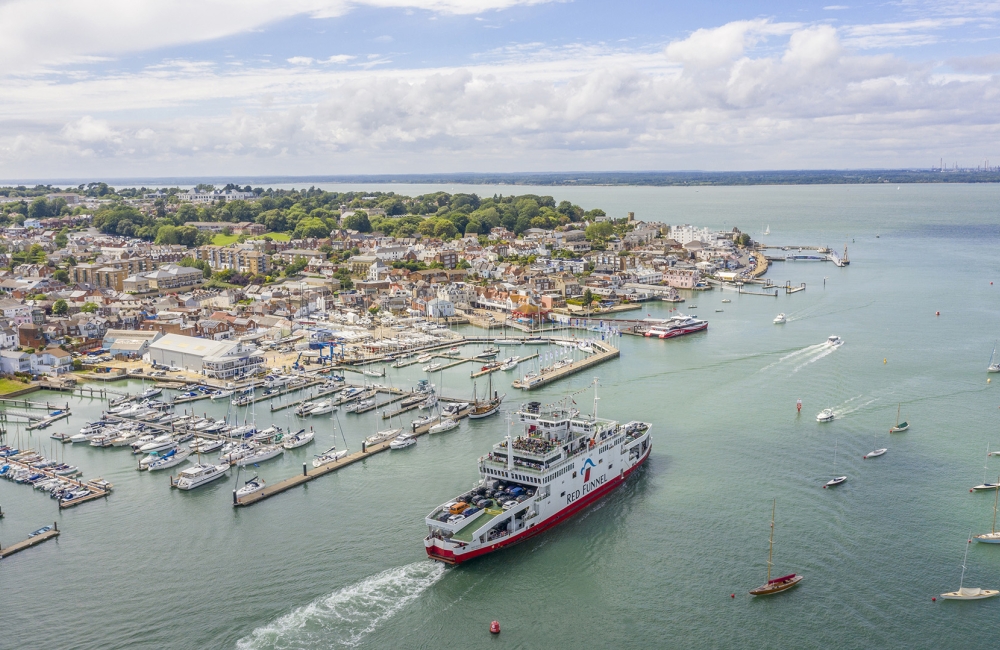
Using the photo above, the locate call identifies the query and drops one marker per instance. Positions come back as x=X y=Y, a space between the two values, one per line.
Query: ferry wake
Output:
x=561 y=463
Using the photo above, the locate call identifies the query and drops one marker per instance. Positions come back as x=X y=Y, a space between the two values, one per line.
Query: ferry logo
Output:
x=587 y=464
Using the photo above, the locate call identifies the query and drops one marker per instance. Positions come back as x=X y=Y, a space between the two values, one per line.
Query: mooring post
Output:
x=304 y=471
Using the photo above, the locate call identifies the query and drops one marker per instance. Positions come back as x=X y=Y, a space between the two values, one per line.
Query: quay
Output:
x=311 y=474
x=95 y=491
x=607 y=353
x=480 y=373
x=31 y=541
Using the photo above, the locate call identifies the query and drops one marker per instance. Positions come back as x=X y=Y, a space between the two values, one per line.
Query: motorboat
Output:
x=157 y=444
x=221 y=394
x=419 y=422
x=835 y=341
x=305 y=407
x=454 y=408
x=402 y=441
x=323 y=408
x=150 y=392
x=431 y=367
x=382 y=436
x=837 y=480
x=511 y=362
x=360 y=406
x=678 y=325
x=329 y=456
x=155 y=456
x=199 y=475
x=424 y=358
x=172 y=460
x=256 y=484
x=205 y=446
x=726 y=300
x=298 y=439
x=429 y=403
x=260 y=454
x=826 y=415
x=779 y=319
x=446 y=424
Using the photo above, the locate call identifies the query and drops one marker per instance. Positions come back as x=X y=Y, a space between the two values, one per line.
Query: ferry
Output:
x=561 y=463
x=679 y=325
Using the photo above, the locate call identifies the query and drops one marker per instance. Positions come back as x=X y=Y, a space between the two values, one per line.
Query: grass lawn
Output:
x=277 y=236
x=224 y=240
x=11 y=385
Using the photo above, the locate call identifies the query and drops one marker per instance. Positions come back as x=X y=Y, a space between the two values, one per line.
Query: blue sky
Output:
x=123 y=88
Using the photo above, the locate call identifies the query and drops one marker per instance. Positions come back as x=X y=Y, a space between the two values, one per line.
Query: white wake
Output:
x=347 y=615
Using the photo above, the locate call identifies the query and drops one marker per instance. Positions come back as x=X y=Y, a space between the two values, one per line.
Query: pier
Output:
x=95 y=491
x=480 y=373
x=607 y=353
x=31 y=541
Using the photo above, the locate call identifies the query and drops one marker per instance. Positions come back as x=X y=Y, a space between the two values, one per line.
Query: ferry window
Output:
x=610 y=465
x=562 y=495
x=574 y=474
x=600 y=461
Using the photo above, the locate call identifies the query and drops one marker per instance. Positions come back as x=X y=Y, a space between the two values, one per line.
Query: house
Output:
x=437 y=308
x=12 y=361
x=51 y=361
x=29 y=335
x=129 y=343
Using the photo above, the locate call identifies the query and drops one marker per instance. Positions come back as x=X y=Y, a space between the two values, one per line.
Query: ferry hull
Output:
x=681 y=331
x=450 y=557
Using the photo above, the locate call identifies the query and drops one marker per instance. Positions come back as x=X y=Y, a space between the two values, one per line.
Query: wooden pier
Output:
x=480 y=373
x=607 y=353
x=31 y=541
x=95 y=492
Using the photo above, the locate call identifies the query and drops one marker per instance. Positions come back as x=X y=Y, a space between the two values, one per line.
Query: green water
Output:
x=340 y=562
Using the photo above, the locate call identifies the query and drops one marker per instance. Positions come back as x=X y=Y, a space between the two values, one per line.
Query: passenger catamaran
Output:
x=560 y=464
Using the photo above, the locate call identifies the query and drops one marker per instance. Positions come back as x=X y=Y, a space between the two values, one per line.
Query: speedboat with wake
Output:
x=826 y=415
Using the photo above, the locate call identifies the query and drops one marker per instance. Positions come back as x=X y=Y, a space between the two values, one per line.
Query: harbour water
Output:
x=340 y=561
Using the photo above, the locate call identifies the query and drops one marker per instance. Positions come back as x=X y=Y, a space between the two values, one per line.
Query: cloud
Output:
x=747 y=95
x=301 y=60
x=40 y=33
x=835 y=7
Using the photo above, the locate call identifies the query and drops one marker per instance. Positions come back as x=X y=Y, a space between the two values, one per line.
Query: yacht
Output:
x=204 y=445
x=382 y=436
x=199 y=475
x=298 y=439
x=779 y=319
x=402 y=441
x=679 y=325
x=221 y=394
x=323 y=408
x=329 y=456
x=826 y=415
x=173 y=459
x=158 y=443
x=446 y=424
x=256 y=484
x=431 y=367
x=835 y=341
x=260 y=454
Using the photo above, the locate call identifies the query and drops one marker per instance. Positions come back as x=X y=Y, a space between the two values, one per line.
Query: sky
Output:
x=143 y=88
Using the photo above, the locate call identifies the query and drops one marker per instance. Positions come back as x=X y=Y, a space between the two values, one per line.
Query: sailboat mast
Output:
x=770 y=546
x=968 y=543
x=995 y=498
x=898 y=406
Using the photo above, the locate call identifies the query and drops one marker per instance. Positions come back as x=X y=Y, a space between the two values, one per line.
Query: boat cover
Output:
x=781 y=579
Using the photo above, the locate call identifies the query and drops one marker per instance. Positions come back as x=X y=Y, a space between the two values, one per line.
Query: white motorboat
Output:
x=726 y=300
x=199 y=475
x=155 y=456
x=158 y=443
x=298 y=439
x=150 y=392
x=402 y=441
x=419 y=422
x=424 y=358
x=329 y=456
x=446 y=424
x=172 y=460
x=81 y=437
x=360 y=406
x=511 y=362
x=222 y=394
x=835 y=341
x=256 y=484
x=586 y=347
x=779 y=319
x=260 y=454
x=454 y=408
x=323 y=408
x=429 y=403
x=826 y=415
x=875 y=454
x=304 y=408
x=205 y=446
x=431 y=367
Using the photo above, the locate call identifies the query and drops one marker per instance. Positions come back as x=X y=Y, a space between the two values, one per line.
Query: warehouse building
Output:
x=218 y=359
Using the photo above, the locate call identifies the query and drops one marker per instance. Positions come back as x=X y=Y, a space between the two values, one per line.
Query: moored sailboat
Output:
x=968 y=593
x=777 y=585
x=900 y=426
x=992 y=537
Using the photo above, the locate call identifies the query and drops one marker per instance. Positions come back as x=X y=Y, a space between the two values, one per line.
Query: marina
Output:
x=33 y=540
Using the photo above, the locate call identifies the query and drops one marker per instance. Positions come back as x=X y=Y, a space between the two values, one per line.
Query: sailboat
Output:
x=487 y=407
x=877 y=452
x=968 y=593
x=836 y=480
x=767 y=231
x=992 y=537
x=776 y=585
x=900 y=426
x=993 y=367
x=984 y=485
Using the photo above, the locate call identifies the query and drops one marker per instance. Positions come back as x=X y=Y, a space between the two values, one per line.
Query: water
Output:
x=340 y=563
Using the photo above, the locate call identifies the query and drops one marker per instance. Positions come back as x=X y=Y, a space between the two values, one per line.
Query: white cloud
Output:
x=709 y=48
x=300 y=60
x=38 y=33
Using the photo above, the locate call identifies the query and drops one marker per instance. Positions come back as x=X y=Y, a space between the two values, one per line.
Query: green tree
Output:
x=89 y=307
x=588 y=297
x=311 y=227
x=600 y=230
x=61 y=276
x=296 y=266
x=357 y=221
x=59 y=307
x=62 y=239
x=197 y=264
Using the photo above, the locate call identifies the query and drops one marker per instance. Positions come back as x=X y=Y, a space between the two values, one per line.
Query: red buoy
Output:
x=937 y=313
x=934 y=600
x=732 y=595
x=495 y=627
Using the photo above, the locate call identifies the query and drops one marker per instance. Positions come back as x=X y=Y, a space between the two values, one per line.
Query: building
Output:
x=686 y=234
x=51 y=361
x=681 y=278
x=291 y=254
x=206 y=196
x=438 y=308
x=129 y=343
x=98 y=275
x=237 y=259
x=171 y=277
x=359 y=265
x=218 y=359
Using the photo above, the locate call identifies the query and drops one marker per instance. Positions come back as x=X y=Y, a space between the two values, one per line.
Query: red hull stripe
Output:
x=443 y=555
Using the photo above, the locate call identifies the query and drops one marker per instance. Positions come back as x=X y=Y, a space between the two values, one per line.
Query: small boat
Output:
x=991 y=366
x=826 y=415
x=726 y=300
x=172 y=459
x=719 y=310
x=322 y=408
x=968 y=593
x=874 y=454
x=298 y=439
x=424 y=358
x=837 y=480
x=256 y=484
x=260 y=454
x=511 y=363
x=992 y=537
x=198 y=475
x=835 y=341
x=779 y=319
x=453 y=351
x=402 y=441
x=431 y=367
x=776 y=585
x=40 y=531
x=446 y=424
x=329 y=456
x=900 y=426
x=221 y=394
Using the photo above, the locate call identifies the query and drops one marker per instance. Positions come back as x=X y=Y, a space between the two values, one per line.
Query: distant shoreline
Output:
x=570 y=179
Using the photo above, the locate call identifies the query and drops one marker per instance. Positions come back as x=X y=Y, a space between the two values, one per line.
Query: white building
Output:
x=438 y=308
x=219 y=359
x=686 y=234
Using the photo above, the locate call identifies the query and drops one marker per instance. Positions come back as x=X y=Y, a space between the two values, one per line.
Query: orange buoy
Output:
x=937 y=313
x=495 y=627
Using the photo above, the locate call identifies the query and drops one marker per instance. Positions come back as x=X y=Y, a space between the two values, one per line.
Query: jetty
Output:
x=547 y=376
x=34 y=540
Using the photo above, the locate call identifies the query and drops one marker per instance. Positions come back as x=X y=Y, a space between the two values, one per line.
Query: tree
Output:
x=197 y=264
x=357 y=221
x=600 y=230
x=296 y=266
x=588 y=297
x=61 y=239
x=59 y=307
x=373 y=310
x=89 y=307
x=311 y=227
x=61 y=276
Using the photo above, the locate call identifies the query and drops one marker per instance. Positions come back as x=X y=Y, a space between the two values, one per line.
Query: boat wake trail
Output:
x=792 y=357
x=825 y=349
x=347 y=615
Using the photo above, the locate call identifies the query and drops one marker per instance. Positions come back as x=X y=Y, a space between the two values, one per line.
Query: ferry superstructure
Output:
x=561 y=463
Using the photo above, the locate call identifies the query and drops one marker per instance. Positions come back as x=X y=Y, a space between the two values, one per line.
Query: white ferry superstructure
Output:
x=562 y=463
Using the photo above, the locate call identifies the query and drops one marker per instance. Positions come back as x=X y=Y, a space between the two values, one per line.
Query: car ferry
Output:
x=561 y=463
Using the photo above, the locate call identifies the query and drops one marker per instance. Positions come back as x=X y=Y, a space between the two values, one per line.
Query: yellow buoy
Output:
x=885 y=361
